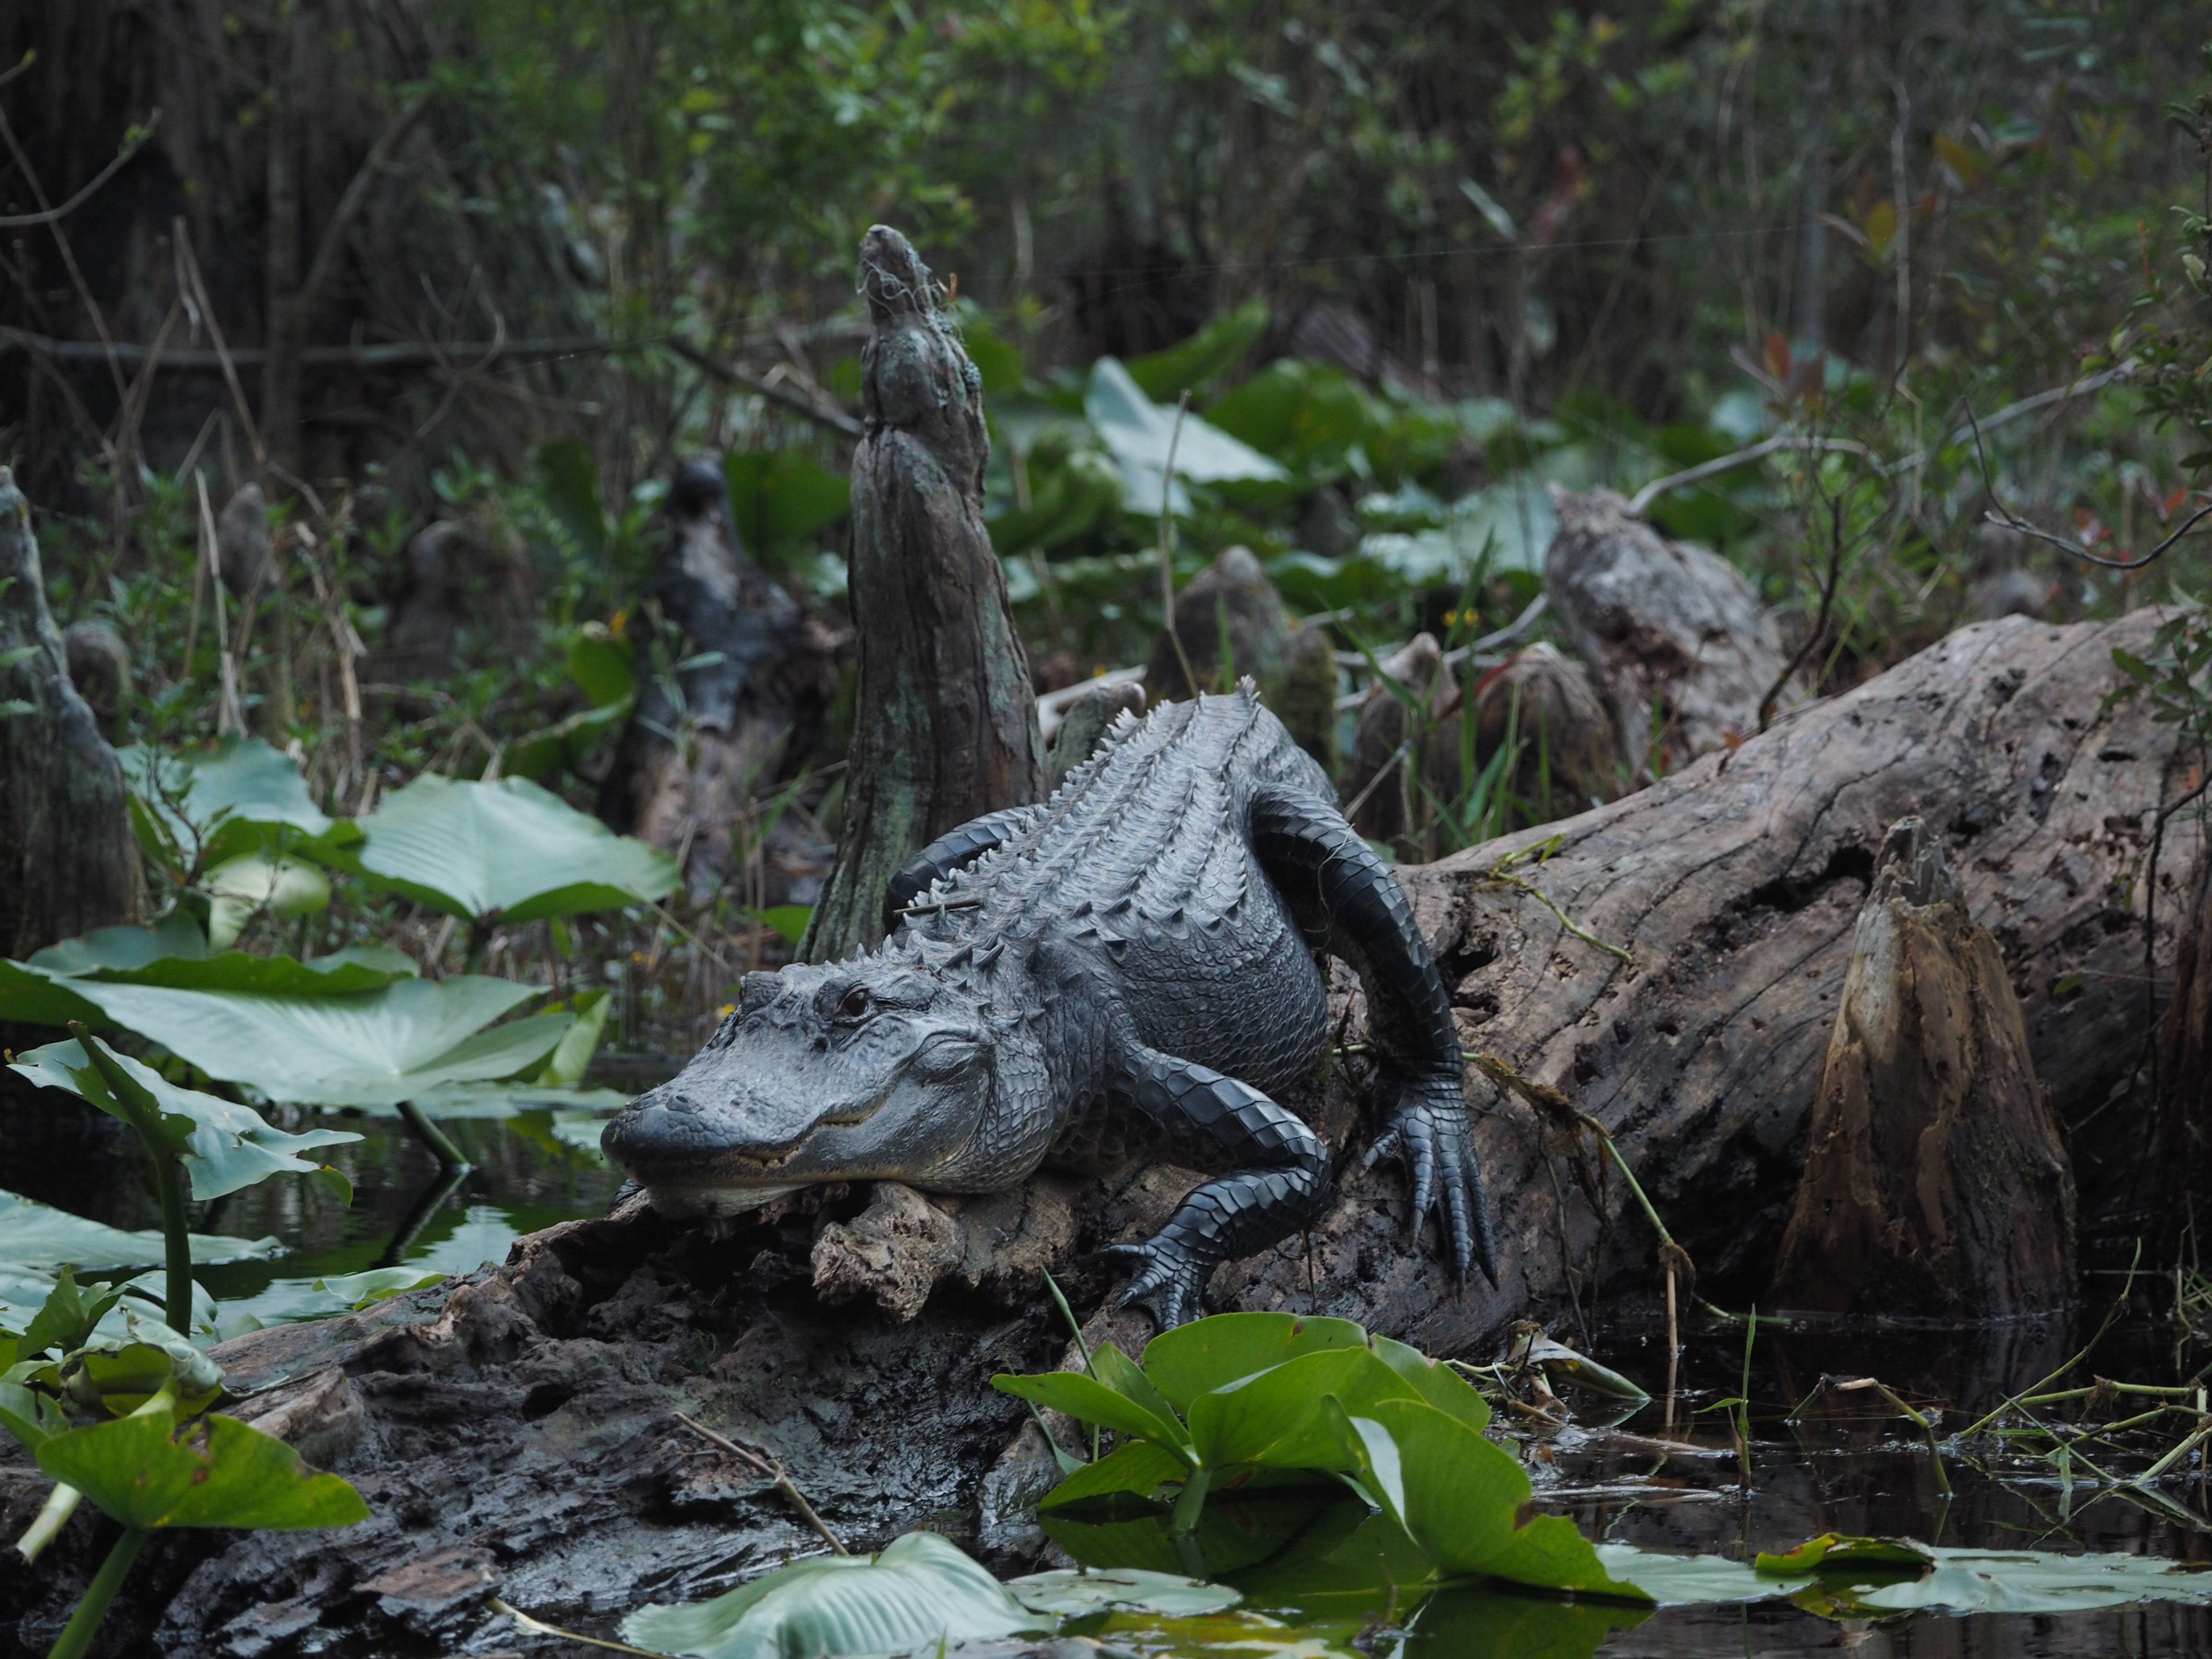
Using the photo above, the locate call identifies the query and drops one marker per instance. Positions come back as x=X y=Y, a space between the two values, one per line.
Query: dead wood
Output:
x=1545 y=701
x=1085 y=722
x=1406 y=758
x=1936 y=1184
x=2182 y=1171
x=1230 y=621
x=946 y=727
x=1678 y=643
x=544 y=1390
x=67 y=863
x=734 y=688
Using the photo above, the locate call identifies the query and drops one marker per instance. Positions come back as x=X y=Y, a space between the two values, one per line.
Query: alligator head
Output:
x=860 y=1070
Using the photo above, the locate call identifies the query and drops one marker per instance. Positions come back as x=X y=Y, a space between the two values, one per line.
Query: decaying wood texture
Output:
x=1677 y=641
x=1394 y=769
x=1230 y=621
x=67 y=863
x=708 y=743
x=2181 y=1175
x=544 y=1389
x=1547 y=701
x=1937 y=1184
x=946 y=726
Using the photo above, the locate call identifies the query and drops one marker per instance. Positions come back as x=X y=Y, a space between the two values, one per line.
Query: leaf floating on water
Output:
x=919 y=1592
x=1073 y=1595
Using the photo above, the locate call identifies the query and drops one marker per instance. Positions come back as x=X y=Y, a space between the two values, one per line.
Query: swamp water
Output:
x=1660 y=1479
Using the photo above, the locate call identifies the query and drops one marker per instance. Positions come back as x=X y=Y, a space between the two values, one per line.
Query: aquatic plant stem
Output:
x=168 y=1174
x=431 y=1137
x=53 y=1514
x=76 y=1638
x=539 y=1627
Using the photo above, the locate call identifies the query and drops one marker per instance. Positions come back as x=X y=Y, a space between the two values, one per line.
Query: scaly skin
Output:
x=1132 y=962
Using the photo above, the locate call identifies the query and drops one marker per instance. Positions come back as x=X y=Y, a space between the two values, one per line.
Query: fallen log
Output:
x=1672 y=968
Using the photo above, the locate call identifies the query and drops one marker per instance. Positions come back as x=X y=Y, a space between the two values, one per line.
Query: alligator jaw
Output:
x=684 y=1201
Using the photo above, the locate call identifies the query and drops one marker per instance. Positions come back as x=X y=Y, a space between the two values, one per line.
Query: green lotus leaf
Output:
x=1208 y=1353
x=221 y=800
x=36 y=1238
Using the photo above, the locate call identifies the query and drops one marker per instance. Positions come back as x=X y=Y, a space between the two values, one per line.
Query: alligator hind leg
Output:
x=948 y=853
x=1237 y=1213
x=1348 y=903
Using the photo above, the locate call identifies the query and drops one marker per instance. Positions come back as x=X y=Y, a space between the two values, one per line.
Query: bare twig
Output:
x=772 y=1470
x=388 y=355
x=1697 y=474
x=332 y=248
x=226 y=717
x=24 y=220
x=2004 y=515
x=189 y=268
x=68 y=254
x=736 y=374
x=1819 y=630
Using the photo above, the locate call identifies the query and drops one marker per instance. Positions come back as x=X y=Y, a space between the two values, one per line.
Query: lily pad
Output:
x=1073 y=1594
x=921 y=1593
x=36 y=1238
x=507 y=849
x=223 y=1146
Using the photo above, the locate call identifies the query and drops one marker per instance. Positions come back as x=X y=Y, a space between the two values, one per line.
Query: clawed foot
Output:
x=1436 y=1142
x=1172 y=1284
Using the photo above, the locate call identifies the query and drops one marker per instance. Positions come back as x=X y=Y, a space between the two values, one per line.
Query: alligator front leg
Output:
x=1347 y=902
x=949 y=852
x=1236 y=1214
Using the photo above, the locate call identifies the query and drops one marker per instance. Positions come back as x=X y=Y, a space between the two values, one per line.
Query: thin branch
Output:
x=24 y=220
x=189 y=268
x=736 y=374
x=1819 y=629
x=1697 y=474
x=332 y=248
x=407 y=354
x=2005 y=516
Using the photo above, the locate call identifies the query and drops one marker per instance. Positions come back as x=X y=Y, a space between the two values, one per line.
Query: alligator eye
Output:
x=855 y=1004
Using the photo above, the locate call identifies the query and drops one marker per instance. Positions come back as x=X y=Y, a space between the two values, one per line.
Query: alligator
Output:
x=1130 y=969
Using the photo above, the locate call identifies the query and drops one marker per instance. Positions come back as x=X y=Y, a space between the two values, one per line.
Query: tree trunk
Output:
x=945 y=728
x=1737 y=886
x=1935 y=1184
x=70 y=862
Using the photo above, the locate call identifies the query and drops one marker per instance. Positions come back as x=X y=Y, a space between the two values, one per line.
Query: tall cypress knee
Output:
x=67 y=860
x=946 y=726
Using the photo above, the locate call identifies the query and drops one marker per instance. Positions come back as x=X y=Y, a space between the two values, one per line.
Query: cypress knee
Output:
x=69 y=862
x=945 y=723
x=1936 y=1182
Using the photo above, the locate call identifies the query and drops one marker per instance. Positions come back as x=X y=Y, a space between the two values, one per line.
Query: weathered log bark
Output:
x=543 y=1390
x=67 y=860
x=1085 y=723
x=1545 y=700
x=1936 y=1184
x=2178 y=1181
x=1679 y=642
x=1230 y=621
x=945 y=728
x=754 y=707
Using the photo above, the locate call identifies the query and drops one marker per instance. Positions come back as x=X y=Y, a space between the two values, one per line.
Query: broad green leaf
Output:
x=1121 y=1374
x=1138 y=434
x=1076 y=1595
x=1203 y=358
x=1276 y=1418
x=787 y=921
x=1138 y=1465
x=1692 y=1580
x=121 y=1380
x=36 y=1238
x=219 y=1471
x=573 y=1056
x=508 y=849
x=258 y=880
x=1208 y=1353
x=223 y=1146
x=603 y=665
x=2133 y=666
x=920 y=1594
x=32 y=1418
x=361 y=1290
x=571 y=486
x=779 y=499
x=176 y=935
x=1348 y=1562
x=369 y=1049
x=1434 y=1382
x=357 y=967
x=1091 y=1401
x=2020 y=1581
x=1462 y=1496
x=1833 y=1552
x=31 y=996
x=1370 y=1453
x=70 y=1315
x=233 y=794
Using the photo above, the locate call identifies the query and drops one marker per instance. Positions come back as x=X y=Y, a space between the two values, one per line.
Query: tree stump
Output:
x=1679 y=644
x=67 y=863
x=946 y=726
x=1935 y=1184
x=1394 y=769
x=1569 y=755
x=1230 y=621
